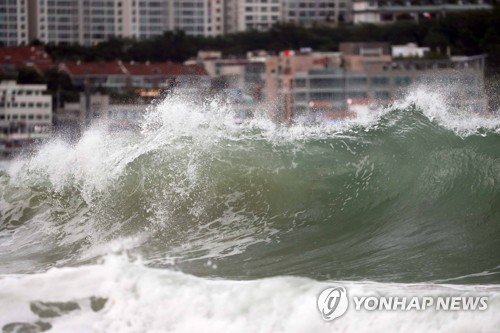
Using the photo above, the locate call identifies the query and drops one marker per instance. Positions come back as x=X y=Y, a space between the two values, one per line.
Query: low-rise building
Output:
x=365 y=75
x=122 y=77
x=410 y=50
x=280 y=77
x=15 y=57
x=92 y=109
x=73 y=117
x=25 y=114
x=245 y=74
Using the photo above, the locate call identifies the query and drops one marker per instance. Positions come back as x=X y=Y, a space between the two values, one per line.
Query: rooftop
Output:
x=131 y=68
x=22 y=55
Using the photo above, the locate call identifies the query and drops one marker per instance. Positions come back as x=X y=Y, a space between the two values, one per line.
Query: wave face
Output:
x=105 y=234
x=411 y=194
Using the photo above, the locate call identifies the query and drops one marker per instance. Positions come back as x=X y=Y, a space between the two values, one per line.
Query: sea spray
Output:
x=408 y=194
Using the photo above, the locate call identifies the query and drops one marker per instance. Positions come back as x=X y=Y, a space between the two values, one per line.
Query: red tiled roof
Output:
x=93 y=68
x=164 y=69
x=42 y=67
x=133 y=68
x=22 y=55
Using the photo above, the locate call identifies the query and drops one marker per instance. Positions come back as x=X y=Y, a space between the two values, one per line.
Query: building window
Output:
x=402 y=80
x=300 y=83
x=380 y=81
x=300 y=97
x=382 y=95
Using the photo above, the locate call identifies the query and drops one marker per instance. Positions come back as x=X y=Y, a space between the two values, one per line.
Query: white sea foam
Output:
x=438 y=103
x=141 y=299
x=98 y=158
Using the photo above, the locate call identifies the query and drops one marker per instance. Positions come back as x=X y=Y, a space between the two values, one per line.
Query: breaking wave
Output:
x=410 y=194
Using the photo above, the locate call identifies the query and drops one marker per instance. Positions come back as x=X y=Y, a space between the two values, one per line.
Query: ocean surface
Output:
x=198 y=224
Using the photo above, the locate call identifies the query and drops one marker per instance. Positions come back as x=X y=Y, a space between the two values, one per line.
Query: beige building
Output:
x=246 y=73
x=363 y=75
x=280 y=76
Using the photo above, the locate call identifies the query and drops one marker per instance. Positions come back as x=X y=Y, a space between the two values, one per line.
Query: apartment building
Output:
x=88 y=22
x=380 y=12
x=25 y=114
x=281 y=71
x=366 y=75
x=246 y=74
x=14 y=22
x=258 y=14
x=199 y=17
x=308 y=12
x=263 y=14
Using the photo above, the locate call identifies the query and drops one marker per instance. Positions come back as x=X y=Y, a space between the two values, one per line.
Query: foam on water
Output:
x=98 y=158
x=118 y=296
x=437 y=102
x=193 y=191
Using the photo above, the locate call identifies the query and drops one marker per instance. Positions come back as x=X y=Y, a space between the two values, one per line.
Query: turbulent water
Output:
x=199 y=224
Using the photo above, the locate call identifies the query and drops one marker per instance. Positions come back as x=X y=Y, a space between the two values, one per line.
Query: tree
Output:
x=60 y=86
x=29 y=75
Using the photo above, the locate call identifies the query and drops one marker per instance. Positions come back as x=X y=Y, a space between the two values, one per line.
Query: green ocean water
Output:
x=202 y=223
x=407 y=196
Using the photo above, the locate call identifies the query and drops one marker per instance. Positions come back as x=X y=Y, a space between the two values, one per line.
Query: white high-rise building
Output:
x=88 y=22
x=198 y=17
x=13 y=22
x=75 y=21
x=316 y=11
x=144 y=19
x=384 y=12
x=258 y=14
